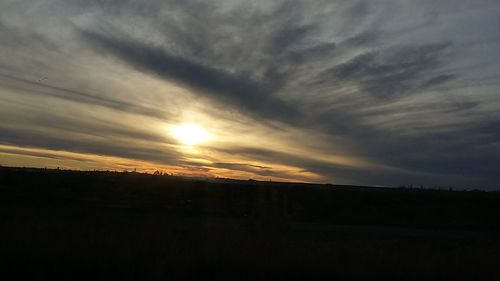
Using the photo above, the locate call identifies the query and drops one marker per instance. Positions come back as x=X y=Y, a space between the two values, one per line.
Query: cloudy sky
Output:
x=387 y=92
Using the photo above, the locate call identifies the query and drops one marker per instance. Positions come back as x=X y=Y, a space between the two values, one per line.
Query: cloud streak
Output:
x=236 y=90
x=404 y=90
x=394 y=71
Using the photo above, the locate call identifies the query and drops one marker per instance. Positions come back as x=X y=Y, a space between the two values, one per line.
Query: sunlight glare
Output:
x=190 y=134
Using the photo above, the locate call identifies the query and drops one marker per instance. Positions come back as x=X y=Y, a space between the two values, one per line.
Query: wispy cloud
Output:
x=398 y=90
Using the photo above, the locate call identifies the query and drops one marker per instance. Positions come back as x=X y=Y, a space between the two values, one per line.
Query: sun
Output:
x=190 y=134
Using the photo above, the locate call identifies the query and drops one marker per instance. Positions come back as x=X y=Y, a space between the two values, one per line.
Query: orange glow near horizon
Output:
x=15 y=156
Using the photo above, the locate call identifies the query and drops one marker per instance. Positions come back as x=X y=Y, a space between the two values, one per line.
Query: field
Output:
x=131 y=226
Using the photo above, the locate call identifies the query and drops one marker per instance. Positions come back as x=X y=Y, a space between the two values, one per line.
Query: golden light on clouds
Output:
x=46 y=158
x=190 y=134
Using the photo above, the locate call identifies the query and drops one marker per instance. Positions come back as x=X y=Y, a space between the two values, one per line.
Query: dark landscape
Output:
x=133 y=226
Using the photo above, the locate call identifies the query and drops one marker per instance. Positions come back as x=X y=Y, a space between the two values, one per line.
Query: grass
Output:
x=136 y=227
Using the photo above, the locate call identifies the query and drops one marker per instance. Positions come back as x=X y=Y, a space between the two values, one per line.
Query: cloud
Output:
x=21 y=38
x=25 y=86
x=233 y=89
x=407 y=86
x=262 y=171
x=393 y=71
x=74 y=142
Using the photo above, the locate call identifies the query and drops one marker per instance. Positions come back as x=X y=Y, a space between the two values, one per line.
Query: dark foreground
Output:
x=128 y=226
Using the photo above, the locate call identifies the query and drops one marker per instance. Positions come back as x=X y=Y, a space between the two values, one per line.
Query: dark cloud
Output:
x=234 y=89
x=364 y=38
x=393 y=71
x=337 y=173
x=254 y=169
x=77 y=143
x=313 y=53
x=232 y=165
x=19 y=151
x=466 y=155
x=287 y=37
x=437 y=80
x=98 y=127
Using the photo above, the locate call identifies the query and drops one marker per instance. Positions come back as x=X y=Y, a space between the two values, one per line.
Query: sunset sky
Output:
x=388 y=92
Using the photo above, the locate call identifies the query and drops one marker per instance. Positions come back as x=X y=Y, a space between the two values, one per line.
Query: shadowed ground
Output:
x=128 y=226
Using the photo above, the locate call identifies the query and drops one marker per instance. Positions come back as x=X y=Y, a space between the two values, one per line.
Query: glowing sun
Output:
x=190 y=134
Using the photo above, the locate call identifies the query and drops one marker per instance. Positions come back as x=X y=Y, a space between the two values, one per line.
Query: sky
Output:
x=383 y=93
